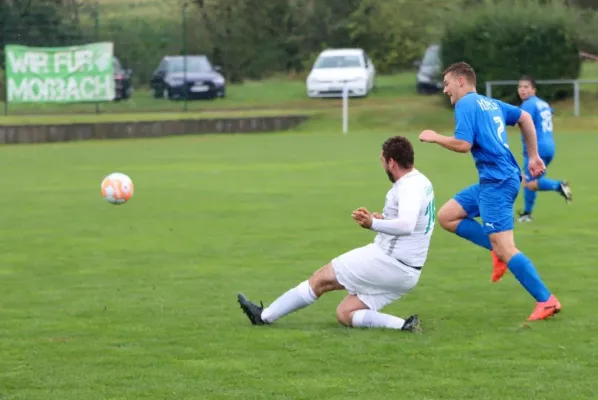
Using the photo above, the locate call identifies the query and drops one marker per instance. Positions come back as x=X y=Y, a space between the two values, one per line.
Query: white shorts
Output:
x=376 y=278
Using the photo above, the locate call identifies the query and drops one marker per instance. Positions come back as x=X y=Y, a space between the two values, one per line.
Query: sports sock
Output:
x=472 y=230
x=529 y=196
x=295 y=299
x=374 y=319
x=547 y=184
x=525 y=272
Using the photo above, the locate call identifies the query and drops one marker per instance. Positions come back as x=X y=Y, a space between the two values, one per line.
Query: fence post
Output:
x=5 y=91
x=345 y=110
x=4 y=32
x=96 y=12
x=576 y=99
x=488 y=89
x=184 y=39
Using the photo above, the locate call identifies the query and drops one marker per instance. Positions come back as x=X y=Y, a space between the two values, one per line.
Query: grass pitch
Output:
x=138 y=301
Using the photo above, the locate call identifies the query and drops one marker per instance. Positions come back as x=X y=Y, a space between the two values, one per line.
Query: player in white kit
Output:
x=381 y=272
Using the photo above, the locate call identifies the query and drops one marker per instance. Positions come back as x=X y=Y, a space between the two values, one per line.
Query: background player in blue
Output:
x=480 y=129
x=541 y=114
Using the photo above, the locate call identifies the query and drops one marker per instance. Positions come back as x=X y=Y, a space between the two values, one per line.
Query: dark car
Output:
x=123 y=81
x=201 y=80
x=429 y=69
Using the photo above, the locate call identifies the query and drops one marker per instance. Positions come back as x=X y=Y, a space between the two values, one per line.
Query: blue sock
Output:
x=547 y=184
x=472 y=230
x=525 y=272
x=529 y=196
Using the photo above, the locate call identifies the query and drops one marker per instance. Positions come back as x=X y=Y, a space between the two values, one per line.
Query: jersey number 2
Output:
x=500 y=130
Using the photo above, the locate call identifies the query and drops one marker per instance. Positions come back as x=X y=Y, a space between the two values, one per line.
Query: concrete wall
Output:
x=116 y=130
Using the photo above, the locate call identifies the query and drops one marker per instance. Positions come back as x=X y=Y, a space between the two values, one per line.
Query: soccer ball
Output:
x=117 y=188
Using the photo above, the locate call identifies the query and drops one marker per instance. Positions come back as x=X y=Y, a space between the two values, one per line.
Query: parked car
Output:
x=123 y=81
x=335 y=69
x=429 y=79
x=200 y=80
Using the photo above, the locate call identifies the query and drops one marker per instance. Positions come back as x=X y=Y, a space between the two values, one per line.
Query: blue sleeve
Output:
x=464 y=115
x=511 y=113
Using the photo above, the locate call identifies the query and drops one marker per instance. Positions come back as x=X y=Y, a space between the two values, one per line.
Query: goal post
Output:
x=575 y=82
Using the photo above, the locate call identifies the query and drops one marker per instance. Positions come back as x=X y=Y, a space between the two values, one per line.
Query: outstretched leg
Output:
x=540 y=184
x=524 y=270
x=496 y=205
x=355 y=313
x=301 y=296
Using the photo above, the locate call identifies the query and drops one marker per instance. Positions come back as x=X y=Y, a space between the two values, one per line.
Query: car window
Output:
x=344 y=61
x=194 y=64
x=432 y=57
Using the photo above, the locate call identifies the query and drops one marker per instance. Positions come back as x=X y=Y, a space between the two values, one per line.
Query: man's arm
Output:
x=528 y=130
x=410 y=200
x=463 y=139
x=448 y=142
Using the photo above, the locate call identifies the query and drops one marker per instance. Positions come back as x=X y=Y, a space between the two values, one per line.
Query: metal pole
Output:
x=576 y=98
x=345 y=110
x=97 y=35
x=5 y=92
x=4 y=32
x=184 y=33
x=488 y=89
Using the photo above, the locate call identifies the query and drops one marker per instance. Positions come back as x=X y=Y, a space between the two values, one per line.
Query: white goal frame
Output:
x=574 y=82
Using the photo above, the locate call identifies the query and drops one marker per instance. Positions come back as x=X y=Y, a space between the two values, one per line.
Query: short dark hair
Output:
x=461 y=69
x=530 y=79
x=400 y=149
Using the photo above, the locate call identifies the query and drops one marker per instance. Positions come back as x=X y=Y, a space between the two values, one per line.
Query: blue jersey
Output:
x=541 y=113
x=482 y=122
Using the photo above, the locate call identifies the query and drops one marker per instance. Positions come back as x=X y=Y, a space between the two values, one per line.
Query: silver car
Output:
x=429 y=72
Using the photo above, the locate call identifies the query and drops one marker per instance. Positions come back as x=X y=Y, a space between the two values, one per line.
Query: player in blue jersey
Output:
x=541 y=114
x=480 y=129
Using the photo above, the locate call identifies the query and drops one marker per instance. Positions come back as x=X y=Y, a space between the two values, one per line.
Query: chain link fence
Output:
x=143 y=33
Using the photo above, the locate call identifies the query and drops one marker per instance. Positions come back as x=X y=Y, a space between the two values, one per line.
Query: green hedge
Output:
x=505 y=40
x=2 y=85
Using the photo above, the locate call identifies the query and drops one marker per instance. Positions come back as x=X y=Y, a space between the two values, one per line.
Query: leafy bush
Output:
x=503 y=41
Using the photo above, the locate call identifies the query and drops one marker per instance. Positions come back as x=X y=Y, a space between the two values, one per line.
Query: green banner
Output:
x=59 y=74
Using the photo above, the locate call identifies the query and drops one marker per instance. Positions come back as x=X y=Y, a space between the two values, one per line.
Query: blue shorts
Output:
x=492 y=202
x=528 y=177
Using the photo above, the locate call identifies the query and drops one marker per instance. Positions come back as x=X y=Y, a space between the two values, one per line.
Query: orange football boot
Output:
x=545 y=309
x=500 y=268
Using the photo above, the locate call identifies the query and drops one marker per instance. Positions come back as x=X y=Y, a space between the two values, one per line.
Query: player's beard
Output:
x=392 y=178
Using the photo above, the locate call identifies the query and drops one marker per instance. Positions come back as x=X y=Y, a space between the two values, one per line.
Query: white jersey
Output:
x=412 y=249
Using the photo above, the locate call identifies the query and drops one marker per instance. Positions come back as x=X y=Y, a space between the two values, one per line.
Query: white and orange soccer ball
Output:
x=117 y=188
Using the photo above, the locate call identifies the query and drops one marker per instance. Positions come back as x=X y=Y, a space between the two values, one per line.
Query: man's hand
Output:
x=536 y=166
x=428 y=136
x=377 y=215
x=363 y=217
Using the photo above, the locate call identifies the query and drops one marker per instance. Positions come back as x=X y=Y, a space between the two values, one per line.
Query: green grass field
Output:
x=138 y=301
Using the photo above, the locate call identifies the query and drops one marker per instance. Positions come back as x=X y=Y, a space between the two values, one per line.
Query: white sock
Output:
x=374 y=319
x=295 y=299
